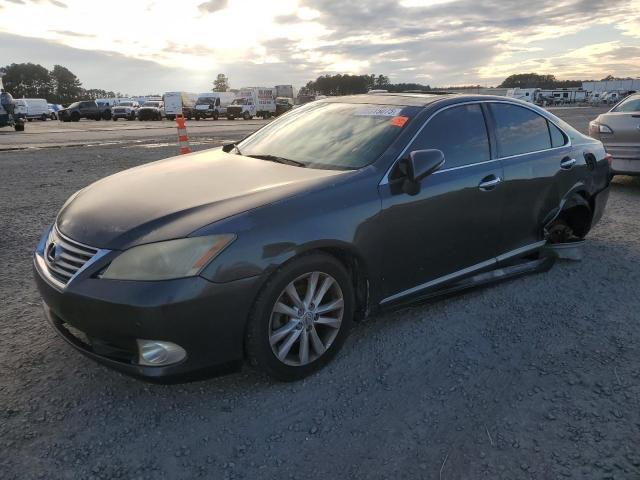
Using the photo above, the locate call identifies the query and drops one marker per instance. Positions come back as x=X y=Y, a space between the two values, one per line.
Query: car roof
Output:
x=411 y=99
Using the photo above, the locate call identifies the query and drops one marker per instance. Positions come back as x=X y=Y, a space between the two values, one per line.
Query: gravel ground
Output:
x=535 y=378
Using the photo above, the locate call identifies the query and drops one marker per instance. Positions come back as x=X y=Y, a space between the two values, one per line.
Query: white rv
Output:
x=526 y=94
x=253 y=102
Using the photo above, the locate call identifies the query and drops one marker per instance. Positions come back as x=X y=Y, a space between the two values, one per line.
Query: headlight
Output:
x=184 y=257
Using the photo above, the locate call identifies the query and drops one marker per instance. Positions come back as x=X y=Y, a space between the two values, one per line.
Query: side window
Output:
x=218 y=102
x=460 y=133
x=558 y=138
x=519 y=130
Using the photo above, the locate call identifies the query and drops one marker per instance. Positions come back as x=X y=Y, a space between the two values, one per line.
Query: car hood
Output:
x=171 y=198
x=149 y=108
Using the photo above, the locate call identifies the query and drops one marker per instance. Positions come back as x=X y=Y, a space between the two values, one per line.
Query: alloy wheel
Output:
x=306 y=318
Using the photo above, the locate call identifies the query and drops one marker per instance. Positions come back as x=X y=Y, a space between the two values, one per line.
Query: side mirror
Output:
x=420 y=164
x=227 y=147
x=423 y=163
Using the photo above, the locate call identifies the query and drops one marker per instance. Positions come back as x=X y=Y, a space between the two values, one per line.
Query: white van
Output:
x=34 y=108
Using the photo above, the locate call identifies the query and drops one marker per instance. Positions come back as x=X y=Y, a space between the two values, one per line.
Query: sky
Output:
x=153 y=46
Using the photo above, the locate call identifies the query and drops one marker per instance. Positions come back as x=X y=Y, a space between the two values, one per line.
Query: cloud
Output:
x=58 y=4
x=68 y=33
x=213 y=6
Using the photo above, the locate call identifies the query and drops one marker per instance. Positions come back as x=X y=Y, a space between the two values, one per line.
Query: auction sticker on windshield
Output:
x=378 y=112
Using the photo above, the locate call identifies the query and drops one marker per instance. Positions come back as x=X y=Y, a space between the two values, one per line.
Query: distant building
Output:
x=612 y=86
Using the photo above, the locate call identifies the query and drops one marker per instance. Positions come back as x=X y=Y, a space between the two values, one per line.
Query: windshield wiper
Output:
x=274 y=158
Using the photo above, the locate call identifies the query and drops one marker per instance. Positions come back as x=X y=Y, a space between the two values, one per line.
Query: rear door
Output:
x=539 y=169
x=451 y=227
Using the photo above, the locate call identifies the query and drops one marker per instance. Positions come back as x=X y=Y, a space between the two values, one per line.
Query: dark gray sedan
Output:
x=619 y=131
x=268 y=249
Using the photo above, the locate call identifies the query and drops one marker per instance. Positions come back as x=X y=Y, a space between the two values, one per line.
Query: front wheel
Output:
x=215 y=116
x=301 y=317
x=246 y=116
x=19 y=127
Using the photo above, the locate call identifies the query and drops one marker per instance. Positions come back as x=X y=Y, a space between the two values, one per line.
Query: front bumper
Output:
x=206 y=319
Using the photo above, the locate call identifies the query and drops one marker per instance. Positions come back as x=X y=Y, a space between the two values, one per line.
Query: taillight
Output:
x=609 y=158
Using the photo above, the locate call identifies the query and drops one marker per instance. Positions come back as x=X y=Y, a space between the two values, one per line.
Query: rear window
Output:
x=629 y=104
x=519 y=130
x=331 y=135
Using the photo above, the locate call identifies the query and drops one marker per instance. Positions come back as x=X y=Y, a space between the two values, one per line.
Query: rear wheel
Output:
x=44 y=117
x=301 y=318
x=246 y=116
x=19 y=127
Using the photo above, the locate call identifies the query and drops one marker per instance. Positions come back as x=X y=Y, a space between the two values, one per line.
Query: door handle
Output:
x=567 y=163
x=489 y=183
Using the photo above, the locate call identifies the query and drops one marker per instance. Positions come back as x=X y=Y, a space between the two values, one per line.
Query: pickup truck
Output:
x=88 y=109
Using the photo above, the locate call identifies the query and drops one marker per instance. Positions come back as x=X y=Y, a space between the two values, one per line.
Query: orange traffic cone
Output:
x=183 y=139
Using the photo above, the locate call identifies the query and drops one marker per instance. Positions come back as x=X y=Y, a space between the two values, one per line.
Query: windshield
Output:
x=151 y=104
x=331 y=135
x=629 y=104
x=239 y=101
x=125 y=104
x=74 y=105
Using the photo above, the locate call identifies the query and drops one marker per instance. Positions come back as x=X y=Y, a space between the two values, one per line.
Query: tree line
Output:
x=59 y=85
x=353 y=84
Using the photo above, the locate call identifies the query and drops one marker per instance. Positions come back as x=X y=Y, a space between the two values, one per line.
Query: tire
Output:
x=44 y=117
x=264 y=322
x=19 y=127
x=215 y=116
x=246 y=116
x=115 y=119
x=75 y=117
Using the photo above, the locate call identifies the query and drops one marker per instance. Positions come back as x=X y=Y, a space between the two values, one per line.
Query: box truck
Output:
x=179 y=102
x=213 y=104
x=253 y=102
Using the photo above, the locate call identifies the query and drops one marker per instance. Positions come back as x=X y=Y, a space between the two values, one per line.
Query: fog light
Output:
x=157 y=353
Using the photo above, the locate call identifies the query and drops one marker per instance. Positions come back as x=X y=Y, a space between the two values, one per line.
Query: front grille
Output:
x=119 y=110
x=64 y=257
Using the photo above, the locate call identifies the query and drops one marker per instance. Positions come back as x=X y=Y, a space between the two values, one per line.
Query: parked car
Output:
x=268 y=249
x=34 y=108
x=619 y=131
x=88 y=109
x=8 y=115
x=151 y=111
x=126 y=110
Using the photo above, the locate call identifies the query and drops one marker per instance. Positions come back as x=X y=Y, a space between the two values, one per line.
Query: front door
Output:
x=451 y=227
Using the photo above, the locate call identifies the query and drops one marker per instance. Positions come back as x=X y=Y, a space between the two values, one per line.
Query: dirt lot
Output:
x=536 y=378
